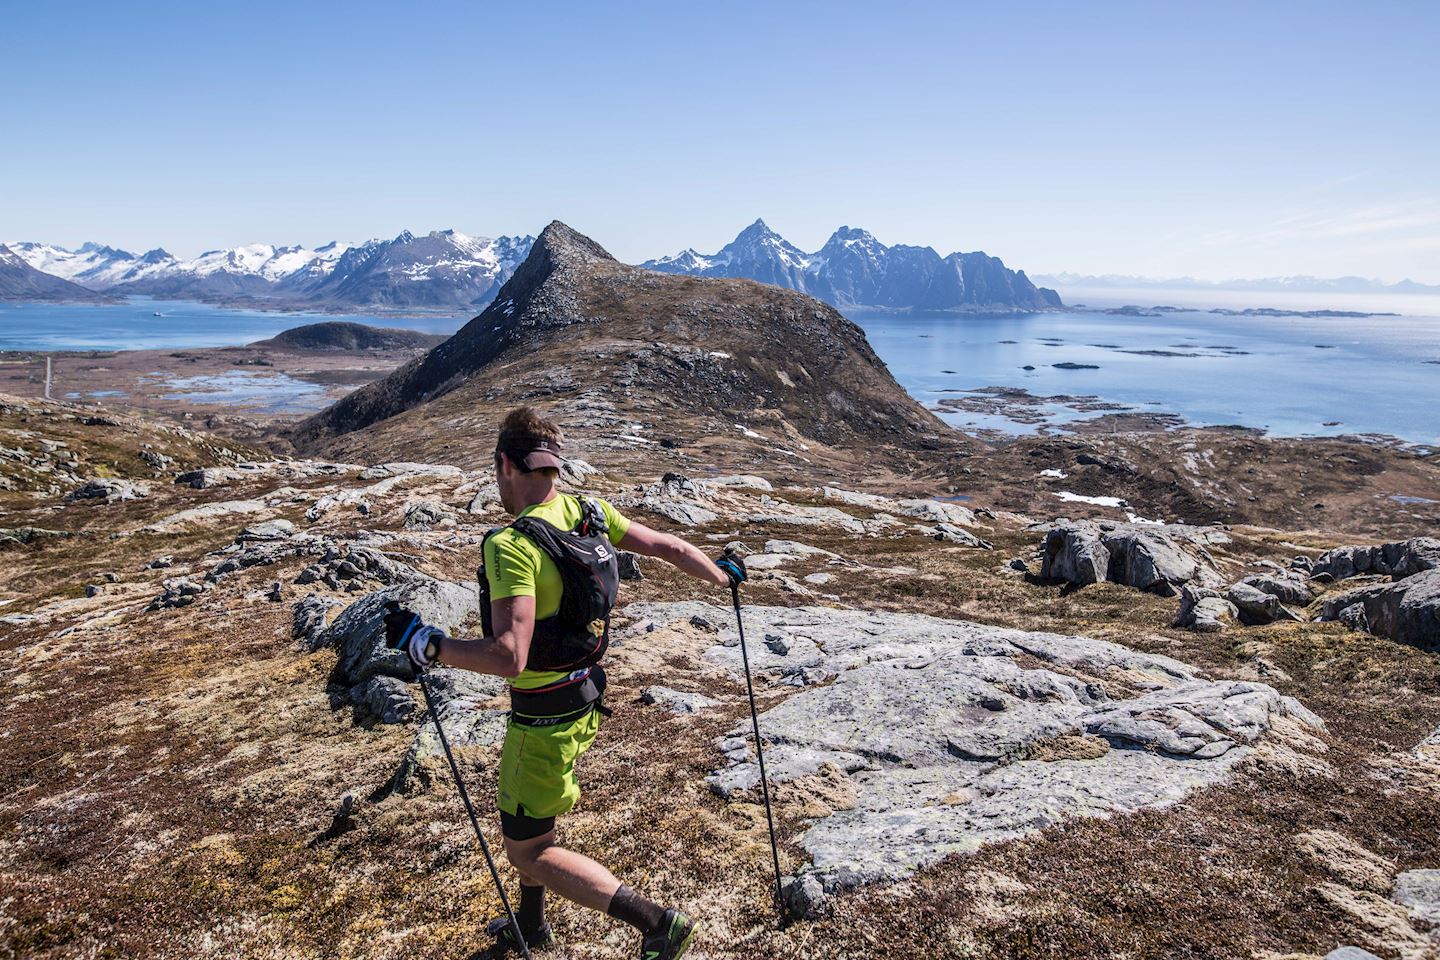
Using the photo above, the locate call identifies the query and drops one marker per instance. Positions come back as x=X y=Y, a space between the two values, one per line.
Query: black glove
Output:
x=732 y=564
x=405 y=631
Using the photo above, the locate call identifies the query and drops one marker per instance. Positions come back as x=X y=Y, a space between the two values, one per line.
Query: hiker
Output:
x=547 y=585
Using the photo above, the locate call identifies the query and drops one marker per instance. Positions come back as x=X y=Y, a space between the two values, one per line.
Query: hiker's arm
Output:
x=503 y=654
x=674 y=551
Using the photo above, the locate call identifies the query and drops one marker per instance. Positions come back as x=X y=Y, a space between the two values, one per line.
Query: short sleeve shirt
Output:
x=516 y=567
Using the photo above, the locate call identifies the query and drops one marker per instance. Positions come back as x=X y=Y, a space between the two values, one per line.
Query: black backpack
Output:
x=579 y=632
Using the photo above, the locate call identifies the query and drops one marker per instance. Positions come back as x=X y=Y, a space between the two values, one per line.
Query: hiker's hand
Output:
x=732 y=564
x=405 y=631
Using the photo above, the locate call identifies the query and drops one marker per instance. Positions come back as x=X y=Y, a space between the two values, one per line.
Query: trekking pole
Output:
x=759 y=750
x=470 y=809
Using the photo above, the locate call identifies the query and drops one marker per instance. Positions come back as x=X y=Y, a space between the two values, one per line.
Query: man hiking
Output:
x=547 y=584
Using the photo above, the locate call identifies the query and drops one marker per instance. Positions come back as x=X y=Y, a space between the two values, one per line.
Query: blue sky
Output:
x=1162 y=139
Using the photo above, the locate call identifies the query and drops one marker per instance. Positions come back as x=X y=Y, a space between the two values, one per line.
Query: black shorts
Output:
x=521 y=827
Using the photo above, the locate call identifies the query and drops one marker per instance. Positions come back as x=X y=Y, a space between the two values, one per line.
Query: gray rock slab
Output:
x=385 y=470
x=676 y=701
x=266 y=530
x=1419 y=892
x=940 y=726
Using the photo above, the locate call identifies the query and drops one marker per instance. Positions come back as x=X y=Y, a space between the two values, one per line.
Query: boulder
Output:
x=1258 y=607
x=108 y=489
x=427 y=514
x=1397 y=560
x=1149 y=560
x=178 y=592
x=629 y=565
x=1407 y=610
x=1287 y=589
x=1144 y=557
x=1350 y=953
x=1204 y=610
x=1075 y=553
x=387 y=699
x=358 y=633
x=805 y=897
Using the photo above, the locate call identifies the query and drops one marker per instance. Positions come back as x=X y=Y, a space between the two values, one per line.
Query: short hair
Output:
x=528 y=422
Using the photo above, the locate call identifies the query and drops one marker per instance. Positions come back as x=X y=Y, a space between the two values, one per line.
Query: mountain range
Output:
x=443 y=269
x=853 y=269
x=446 y=269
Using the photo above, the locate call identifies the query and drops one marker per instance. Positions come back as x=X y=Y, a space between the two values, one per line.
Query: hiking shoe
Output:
x=504 y=933
x=671 y=939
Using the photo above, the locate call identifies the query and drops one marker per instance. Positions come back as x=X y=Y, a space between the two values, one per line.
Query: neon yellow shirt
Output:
x=516 y=567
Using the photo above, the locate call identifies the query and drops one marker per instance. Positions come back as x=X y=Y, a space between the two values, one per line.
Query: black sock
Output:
x=629 y=906
x=531 y=914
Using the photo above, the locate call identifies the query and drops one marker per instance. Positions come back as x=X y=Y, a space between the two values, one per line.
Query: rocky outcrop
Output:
x=1407 y=610
x=178 y=592
x=1083 y=552
x=1398 y=560
x=950 y=735
x=677 y=498
x=109 y=490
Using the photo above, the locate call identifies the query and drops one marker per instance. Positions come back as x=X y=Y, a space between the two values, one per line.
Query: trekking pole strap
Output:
x=470 y=809
x=759 y=749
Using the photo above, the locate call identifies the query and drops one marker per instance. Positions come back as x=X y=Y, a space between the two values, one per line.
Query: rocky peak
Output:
x=717 y=352
x=563 y=244
x=405 y=237
x=853 y=234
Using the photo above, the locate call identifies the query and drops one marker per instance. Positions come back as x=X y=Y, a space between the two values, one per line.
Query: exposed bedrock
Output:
x=949 y=734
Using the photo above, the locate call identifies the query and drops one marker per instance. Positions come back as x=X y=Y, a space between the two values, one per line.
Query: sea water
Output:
x=1288 y=375
x=134 y=325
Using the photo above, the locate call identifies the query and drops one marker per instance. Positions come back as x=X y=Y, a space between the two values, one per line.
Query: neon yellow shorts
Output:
x=537 y=766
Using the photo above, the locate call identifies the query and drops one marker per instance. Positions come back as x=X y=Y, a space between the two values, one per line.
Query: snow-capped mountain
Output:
x=443 y=268
x=20 y=281
x=853 y=269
